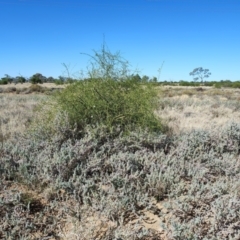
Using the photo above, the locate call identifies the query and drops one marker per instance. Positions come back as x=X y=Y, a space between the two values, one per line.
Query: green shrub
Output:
x=126 y=104
x=36 y=78
x=217 y=85
x=109 y=97
x=184 y=83
x=236 y=84
x=59 y=82
x=3 y=81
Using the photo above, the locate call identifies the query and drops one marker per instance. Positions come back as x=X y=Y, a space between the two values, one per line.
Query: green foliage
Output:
x=186 y=84
x=109 y=97
x=210 y=84
x=37 y=78
x=64 y=80
x=154 y=79
x=70 y=80
x=59 y=82
x=236 y=84
x=106 y=65
x=126 y=104
x=201 y=73
x=3 y=81
x=20 y=79
x=136 y=78
x=7 y=79
x=217 y=85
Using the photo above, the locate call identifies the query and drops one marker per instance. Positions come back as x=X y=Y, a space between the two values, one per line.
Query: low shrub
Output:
x=3 y=82
x=126 y=104
x=36 y=88
x=9 y=90
x=109 y=97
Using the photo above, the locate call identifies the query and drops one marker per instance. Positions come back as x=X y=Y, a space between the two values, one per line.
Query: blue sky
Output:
x=37 y=36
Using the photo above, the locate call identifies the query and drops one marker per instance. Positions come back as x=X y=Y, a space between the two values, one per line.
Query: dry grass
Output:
x=185 y=109
x=169 y=91
x=16 y=107
x=27 y=85
x=16 y=112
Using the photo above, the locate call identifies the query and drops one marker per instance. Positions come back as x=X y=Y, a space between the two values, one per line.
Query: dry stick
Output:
x=101 y=95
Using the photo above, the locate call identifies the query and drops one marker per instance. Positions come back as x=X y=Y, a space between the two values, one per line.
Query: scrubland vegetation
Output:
x=114 y=158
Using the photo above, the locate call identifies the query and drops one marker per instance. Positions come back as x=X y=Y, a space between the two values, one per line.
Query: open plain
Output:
x=183 y=184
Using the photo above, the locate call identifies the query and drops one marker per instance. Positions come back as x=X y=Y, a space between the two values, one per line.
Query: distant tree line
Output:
x=38 y=78
x=217 y=84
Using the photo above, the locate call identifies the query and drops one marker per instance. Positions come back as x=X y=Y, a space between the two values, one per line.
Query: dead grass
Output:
x=185 y=109
x=27 y=85
x=229 y=93
x=16 y=112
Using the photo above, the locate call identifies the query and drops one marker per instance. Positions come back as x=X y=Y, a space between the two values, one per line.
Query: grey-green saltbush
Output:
x=197 y=174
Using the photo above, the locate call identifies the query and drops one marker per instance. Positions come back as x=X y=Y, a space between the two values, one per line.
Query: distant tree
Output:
x=61 y=78
x=154 y=79
x=20 y=79
x=50 y=79
x=37 y=78
x=7 y=78
x=3 y=81
x=136 y=77
x=145 y=79
x=200 y=73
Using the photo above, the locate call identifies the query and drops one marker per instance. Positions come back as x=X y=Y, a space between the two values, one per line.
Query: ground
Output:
x=186 y=111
